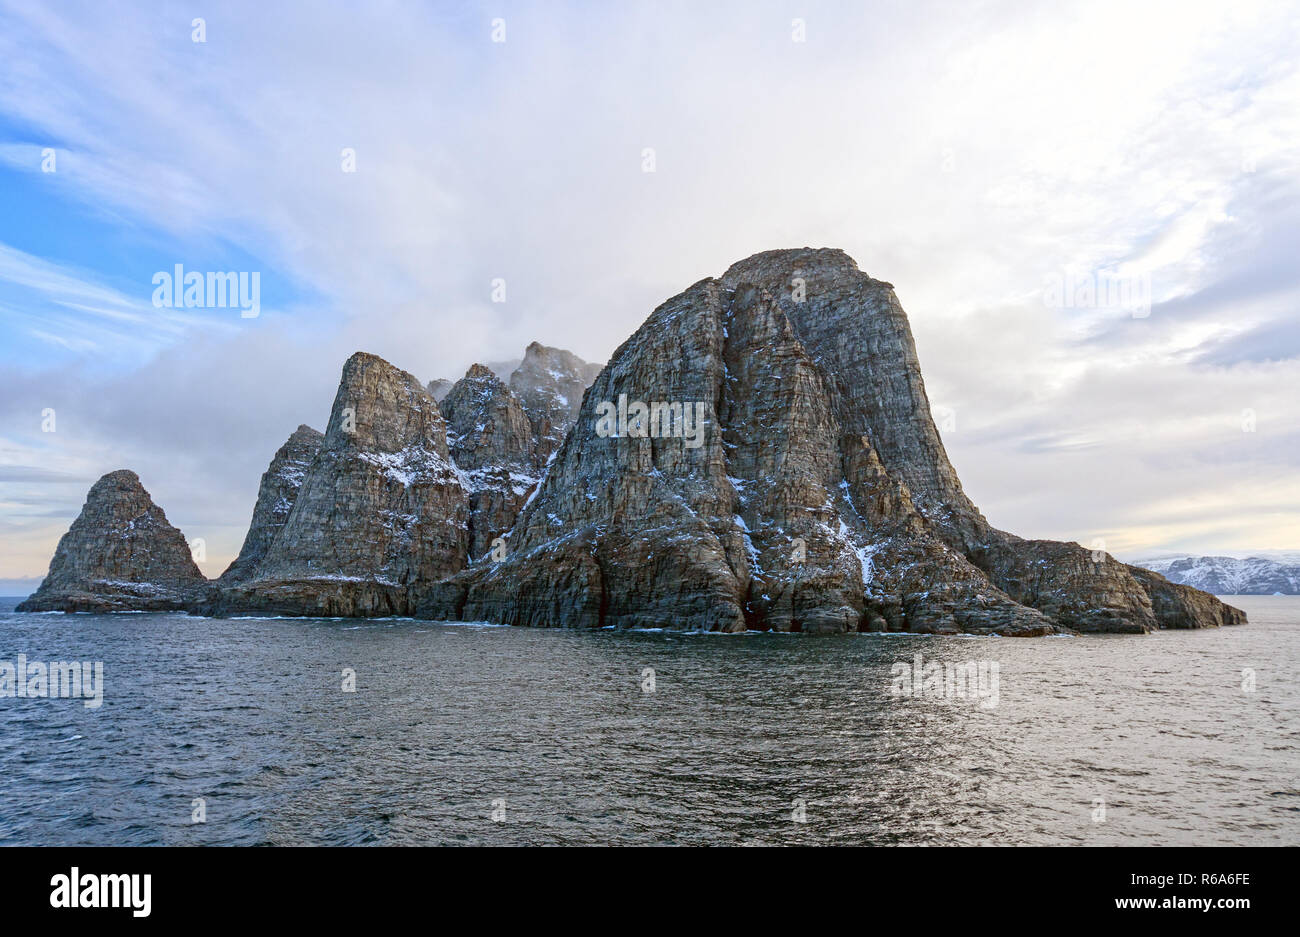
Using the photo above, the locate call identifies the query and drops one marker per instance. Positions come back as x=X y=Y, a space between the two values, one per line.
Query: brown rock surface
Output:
x=856 y=327
x=759 y=454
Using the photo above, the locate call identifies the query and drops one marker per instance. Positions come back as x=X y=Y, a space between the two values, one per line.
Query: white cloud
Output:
x=963 y=153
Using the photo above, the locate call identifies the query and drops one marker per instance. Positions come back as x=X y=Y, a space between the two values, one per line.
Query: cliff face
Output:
x=380 y=507
x=402 y=489
x=815 y=495
x=275 y=498
x=120 y=554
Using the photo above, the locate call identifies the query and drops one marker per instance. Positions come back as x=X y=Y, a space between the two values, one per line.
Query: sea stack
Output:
x=120 y=554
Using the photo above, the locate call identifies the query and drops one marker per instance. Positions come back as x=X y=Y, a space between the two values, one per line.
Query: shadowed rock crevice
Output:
x=491 y=441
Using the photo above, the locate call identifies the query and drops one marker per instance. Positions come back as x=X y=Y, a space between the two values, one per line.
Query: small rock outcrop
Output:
x=380 y=508
x=1175 y=605
x=276 y=495
x=120 y=554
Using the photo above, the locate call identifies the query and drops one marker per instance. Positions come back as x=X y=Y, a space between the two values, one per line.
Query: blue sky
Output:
x=968 y=153
x=76 y=279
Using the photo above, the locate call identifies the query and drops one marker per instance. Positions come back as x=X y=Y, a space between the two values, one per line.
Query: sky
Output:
x=992 y=160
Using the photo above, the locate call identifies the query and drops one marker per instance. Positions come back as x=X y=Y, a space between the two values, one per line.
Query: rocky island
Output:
x=120 y=555
x=760 y=454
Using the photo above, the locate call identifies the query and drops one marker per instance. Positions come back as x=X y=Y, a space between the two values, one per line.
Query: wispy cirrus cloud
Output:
x=67 y=308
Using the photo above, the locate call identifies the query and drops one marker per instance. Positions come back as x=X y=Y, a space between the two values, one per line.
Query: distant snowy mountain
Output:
x=1228 y=575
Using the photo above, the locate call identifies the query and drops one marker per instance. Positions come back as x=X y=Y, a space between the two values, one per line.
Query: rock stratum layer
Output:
x=760 y=454
x=120 y=555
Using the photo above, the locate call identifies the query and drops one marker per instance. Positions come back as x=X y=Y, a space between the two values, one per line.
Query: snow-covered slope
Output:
x=1228 y=575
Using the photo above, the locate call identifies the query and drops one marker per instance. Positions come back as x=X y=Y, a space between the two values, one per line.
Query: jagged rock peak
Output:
x=486 y=423
x=539 y=355
x=120 y=554
x=481 y=372
x=492 y=442
x=853 y=324
x=275 y=498
x=382 y=408
x=380 y=506
x=550 y=382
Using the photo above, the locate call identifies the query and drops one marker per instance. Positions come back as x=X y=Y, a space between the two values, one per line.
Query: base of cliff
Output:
x=305 y=598
x=109 y=597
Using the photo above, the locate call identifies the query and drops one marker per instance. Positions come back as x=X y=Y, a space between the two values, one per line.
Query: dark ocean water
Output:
x=553 y=733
